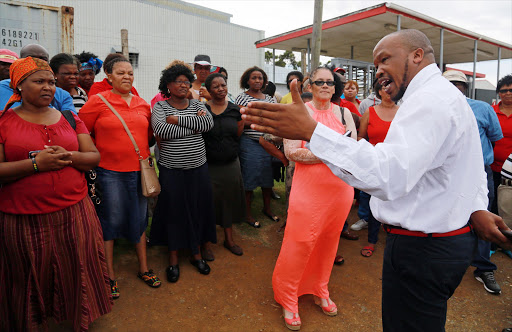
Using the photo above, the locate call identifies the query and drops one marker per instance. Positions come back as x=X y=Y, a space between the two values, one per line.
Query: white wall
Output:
x=161 y=34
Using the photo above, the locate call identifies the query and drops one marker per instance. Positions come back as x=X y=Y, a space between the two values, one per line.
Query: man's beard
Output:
x=403 y=86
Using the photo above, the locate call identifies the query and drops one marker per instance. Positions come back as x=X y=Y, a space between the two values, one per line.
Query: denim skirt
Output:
x=123 y=208
x=256 y=164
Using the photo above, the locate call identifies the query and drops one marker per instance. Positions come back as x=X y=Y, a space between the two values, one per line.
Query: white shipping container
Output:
x=159 y=31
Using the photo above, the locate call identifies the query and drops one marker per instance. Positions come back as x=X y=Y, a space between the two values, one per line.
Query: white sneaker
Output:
x=359 y=225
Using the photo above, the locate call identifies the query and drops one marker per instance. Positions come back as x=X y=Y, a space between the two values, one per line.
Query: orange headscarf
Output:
x=19 y=71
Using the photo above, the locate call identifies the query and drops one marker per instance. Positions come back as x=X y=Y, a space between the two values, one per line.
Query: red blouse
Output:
x=351 y=107
x=112 y=141
x=377 y=128
x=42 y=192
x=502 y=147
x=101 y=86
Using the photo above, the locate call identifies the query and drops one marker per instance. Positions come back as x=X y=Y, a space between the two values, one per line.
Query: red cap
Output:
x=340 y=70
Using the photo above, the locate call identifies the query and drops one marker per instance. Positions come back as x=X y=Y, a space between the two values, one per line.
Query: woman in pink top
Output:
x=374 y=127
x=319 y=205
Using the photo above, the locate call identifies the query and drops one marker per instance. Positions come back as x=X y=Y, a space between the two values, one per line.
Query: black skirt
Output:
x=184 y=215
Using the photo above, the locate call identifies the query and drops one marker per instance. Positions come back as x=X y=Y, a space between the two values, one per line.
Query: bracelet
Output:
x=34 y=164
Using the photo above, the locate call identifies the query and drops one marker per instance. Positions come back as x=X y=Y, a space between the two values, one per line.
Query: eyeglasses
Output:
x=187 y=83
x=321 y=83
x=505 y=90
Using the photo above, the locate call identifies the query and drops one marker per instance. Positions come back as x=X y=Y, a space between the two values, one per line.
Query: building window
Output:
x=134 y=59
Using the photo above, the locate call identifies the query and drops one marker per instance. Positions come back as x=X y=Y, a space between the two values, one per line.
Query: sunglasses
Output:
x=505 y=90
x=321 y=83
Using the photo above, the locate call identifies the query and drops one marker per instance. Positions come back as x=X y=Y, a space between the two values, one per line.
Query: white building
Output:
x=160 y=31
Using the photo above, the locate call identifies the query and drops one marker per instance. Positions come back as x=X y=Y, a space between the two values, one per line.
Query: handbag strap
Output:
x=124 y=124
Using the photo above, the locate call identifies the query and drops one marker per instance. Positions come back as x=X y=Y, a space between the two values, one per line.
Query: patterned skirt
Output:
x=52 y=265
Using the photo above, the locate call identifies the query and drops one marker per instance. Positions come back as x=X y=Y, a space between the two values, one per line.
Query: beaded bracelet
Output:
x=34 y=164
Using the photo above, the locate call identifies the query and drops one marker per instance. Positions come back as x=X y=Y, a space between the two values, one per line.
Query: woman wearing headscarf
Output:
x=52 y=261
x=123 y=209
x=89 y=66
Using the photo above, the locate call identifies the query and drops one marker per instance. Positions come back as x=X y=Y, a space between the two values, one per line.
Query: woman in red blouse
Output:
x=374 y=127
x=52 y=262
x=123 y=209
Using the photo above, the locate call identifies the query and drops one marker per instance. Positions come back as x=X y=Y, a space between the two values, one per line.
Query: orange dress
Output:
x=319 y=204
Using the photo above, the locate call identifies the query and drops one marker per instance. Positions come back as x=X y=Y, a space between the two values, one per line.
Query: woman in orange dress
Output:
x=319 y=205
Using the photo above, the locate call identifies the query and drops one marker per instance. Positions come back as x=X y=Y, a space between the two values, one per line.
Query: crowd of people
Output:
x=65 y=138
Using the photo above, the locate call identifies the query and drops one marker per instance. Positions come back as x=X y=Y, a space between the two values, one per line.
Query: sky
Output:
x=489 y=18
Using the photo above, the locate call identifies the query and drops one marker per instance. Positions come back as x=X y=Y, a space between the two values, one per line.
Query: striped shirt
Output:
x=243 y=99
x=182 y=145
x=506 y=170
x=79 y=99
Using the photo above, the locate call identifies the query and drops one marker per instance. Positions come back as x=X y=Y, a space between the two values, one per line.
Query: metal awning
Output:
x=354 y=35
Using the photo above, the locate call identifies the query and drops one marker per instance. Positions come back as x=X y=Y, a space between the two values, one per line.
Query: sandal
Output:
x=150 y=279
x=293 y=323
x=271 y=217
x=330 y=310
x=339 y=260
x=114 y=289
x=235 y=249
x=255 y=224
x=367 y=251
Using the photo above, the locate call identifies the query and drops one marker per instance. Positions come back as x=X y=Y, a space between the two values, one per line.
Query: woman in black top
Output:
x=222 y=155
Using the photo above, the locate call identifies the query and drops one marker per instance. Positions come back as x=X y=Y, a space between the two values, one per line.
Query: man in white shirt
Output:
x=426 y=179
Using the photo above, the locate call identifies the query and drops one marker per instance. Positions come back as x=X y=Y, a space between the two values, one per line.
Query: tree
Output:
x=287 y=58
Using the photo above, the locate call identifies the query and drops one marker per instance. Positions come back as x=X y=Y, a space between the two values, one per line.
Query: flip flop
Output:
x=339 y=260
x=367 y=251
x=255 y=224
x=271 y=217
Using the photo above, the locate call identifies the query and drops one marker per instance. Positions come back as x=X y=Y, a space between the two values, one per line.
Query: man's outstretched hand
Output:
x=488 y=225
x=290 y=121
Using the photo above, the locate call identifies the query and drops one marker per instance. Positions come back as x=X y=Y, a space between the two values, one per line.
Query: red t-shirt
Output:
x=98 y=87
x=502 y=147
x=377 y=128
x=42 y=192
x=351 y=107
x=112 y=141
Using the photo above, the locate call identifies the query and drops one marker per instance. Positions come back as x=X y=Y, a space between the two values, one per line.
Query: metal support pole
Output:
x=317 y=32
x=303 y=61
x=274 y=65
x=473 y=87
x=309 y=55
x=441 y=50
x=398 y=22
x=498 y=73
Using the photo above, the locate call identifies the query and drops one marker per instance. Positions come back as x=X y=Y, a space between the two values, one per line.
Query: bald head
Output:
x=411 y=39
x=35 y=51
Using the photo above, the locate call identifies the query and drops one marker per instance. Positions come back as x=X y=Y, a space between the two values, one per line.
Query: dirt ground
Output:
x=237 y=295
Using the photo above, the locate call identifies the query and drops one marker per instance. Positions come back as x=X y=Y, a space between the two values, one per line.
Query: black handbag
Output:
x=90 y=176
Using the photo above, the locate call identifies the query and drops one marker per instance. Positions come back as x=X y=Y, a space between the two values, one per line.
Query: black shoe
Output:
x=490 y=284
x=200 y=265
x=173 y=273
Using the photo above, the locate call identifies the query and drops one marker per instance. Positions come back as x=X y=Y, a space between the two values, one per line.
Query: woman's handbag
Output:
x=148 y=178
x=90 y=176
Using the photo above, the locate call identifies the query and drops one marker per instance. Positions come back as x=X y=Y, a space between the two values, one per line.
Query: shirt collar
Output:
x=420 y=78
